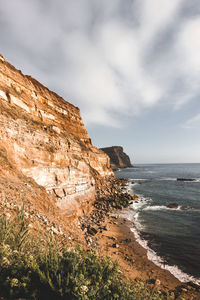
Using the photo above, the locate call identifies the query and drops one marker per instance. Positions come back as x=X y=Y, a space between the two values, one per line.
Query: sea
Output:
x=171 y=236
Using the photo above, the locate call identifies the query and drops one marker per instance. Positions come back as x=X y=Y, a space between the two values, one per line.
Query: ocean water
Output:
x=171 y=236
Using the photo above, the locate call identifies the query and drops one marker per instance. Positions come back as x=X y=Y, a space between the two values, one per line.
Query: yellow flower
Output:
x=14 y=282
x=15 y=252
x=84 y=289
x=5 y=261
x=6 y=247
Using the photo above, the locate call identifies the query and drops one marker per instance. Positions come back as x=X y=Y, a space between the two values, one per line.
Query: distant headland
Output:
x=118 y=158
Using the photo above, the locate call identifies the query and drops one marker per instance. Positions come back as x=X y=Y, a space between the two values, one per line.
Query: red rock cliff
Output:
x=44 y=146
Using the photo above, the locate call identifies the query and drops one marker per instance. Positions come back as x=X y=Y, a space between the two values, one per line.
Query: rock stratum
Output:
x=118 y=158
x=46 y=155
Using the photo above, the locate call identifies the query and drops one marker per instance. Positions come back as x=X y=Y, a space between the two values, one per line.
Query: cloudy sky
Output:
x=132 y=66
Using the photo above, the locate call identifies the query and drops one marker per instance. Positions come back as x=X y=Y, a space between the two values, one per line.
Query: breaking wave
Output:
x=133 y=215
x=158 y=261
x=161 y=207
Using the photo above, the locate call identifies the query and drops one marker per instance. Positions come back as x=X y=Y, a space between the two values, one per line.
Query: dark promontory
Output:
x=118 y=159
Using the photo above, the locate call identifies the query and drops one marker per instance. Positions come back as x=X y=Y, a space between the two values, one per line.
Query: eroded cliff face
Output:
x=118 y=158
x=44 y=144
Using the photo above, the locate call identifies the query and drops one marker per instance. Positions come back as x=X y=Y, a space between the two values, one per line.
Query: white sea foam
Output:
x=156 y=207
x=179 y=208
x=196 y=180
x=137 y=205
x=135 y=183
x=158 y=261
x=167 y=178
x=161 y=207
x=133 y=215
x=140 y=203
x=140 y=179
x=128 y=188
x=133 y=212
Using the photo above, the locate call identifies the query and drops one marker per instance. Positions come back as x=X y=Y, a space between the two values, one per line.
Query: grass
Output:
x=39 y=269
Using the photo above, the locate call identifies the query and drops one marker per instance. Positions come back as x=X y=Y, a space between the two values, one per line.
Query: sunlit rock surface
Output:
x=43 y=141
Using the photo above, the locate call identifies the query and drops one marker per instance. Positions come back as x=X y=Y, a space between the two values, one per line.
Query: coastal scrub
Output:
x=38 y=269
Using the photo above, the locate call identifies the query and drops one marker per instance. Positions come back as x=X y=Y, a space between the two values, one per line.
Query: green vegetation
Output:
x=38 y=268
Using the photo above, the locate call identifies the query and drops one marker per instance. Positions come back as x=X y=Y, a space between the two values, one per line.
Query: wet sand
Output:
x=119 y=243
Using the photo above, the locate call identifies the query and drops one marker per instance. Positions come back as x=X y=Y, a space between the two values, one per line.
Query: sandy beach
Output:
x=119 y=242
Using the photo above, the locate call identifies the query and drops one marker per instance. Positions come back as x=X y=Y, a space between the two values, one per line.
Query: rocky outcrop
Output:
x=186 y=179
x=173 y=205
x=118 y=158
x=44 y=146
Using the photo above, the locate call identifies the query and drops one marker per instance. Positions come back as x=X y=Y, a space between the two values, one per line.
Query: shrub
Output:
x=38 y=269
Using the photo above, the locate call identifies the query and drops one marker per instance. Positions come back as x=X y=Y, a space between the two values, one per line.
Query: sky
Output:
x=131 y=66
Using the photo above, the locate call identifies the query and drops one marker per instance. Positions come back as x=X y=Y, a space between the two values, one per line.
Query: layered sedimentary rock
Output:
x=44 y=144
x=118 y=158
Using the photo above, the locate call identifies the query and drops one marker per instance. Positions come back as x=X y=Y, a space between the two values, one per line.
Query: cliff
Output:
x=48 y=163
x=118 y=158
x=46 y=155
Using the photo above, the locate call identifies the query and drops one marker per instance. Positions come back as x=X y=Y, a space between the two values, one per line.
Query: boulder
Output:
x=186 y=179
x=172 y=205
x=91 y=230
x=115 y=245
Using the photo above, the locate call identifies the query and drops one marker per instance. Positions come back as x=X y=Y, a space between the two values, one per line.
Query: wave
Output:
x=140 y=203
x=196 y=180
x=133 y=215
x=167 y=178
x=135 y=208
x=162 y=179
x=128 y=187
x=161 y=207
x=139 y=179
x=136 y=181
x=179 y=208
x=158 y=261
x=154 y=178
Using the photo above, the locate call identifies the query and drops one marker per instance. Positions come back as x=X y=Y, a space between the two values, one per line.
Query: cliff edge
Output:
x=46 y=156
x=118 y=158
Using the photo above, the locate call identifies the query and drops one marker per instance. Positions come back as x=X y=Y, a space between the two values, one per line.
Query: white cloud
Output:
x=155 y=17
x=194 y=122
x=33 y=29
x=122 y=52
x=188 y=62
x=105 y=63
x=189 y=43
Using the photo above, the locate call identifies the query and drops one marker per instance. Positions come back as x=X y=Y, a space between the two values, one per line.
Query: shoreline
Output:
x=119 y=243
x=108 y=230
x=151 y=254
